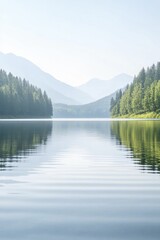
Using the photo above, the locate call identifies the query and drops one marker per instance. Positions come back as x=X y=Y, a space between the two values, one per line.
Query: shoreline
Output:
x=148 y=115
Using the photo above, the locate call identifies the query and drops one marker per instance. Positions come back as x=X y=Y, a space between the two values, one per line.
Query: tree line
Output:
x=142 y=96
x=18 y=98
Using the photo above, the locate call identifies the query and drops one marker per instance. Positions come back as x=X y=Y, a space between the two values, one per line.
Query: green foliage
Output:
x=157 y=74
x=115 y=107
x=145 y=115
x=20 y=99
x=142 y=96
x=136 y=96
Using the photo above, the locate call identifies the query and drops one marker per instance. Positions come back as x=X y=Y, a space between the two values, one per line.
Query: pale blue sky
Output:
x=76 y=40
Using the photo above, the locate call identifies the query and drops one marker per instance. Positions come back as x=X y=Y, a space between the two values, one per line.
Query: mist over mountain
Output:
x=92 y=99
x=58 y=91
x=97 y=109
x=100 y=88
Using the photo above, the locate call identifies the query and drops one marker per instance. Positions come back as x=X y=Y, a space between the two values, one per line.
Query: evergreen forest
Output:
x=142 y=96
x=18 y=98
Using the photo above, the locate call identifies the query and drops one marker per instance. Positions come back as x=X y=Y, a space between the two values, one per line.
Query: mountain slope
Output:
x=100 y=88
x=57 y=90
x=97 y=109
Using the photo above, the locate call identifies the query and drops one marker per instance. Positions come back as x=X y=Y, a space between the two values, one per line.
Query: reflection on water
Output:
x=18 y=139
x=101 y=129
x=74 y=180
x=143 y=139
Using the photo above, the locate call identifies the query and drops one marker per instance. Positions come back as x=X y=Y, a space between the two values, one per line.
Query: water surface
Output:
x=80 y=180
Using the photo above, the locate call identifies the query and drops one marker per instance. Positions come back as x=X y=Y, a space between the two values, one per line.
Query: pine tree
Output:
x=20 y=99
x=143 y=95
x=157 y=74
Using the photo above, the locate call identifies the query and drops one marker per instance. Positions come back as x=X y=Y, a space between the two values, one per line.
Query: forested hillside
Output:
x=142 y=96
x=97 y=109
x=20 y=99
x=58 y=91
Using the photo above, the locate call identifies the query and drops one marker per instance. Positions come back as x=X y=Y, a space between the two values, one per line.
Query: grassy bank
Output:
x=142 y=115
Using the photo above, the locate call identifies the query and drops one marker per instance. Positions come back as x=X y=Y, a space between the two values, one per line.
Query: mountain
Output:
x=97 y=88
x=97 y=109
x=58 y=91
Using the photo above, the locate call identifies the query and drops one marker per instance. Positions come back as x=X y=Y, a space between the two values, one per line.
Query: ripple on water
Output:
x=76 y=181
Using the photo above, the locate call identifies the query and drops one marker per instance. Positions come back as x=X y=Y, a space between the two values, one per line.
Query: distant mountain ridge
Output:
x=58 y=91
x=91 y=99
x=97 y=109
x=101 y=88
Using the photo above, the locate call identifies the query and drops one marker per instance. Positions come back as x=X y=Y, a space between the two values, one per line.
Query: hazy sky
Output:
x=76 y=40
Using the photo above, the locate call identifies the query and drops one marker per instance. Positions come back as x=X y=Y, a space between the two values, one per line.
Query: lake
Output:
x=74 y=180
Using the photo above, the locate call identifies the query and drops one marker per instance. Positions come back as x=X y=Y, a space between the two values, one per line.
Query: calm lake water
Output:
x=80 y=180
